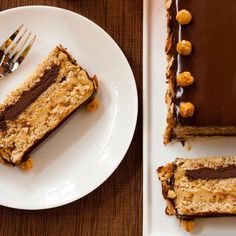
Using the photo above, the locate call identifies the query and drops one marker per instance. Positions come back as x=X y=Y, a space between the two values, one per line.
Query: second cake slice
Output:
x=202 y=187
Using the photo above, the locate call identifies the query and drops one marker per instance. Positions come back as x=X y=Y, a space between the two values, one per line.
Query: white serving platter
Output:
x=155 y=221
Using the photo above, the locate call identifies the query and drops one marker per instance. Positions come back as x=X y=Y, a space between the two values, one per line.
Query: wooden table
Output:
x=115 y=208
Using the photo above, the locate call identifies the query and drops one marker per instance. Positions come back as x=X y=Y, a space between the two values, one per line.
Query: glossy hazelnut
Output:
x=183 y=17
x=184 y=47
x=186 y=109
x=184 y=79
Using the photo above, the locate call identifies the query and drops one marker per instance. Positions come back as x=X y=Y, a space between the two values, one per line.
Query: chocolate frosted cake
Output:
x=201 y=69
x=57 y=88
x=202 y=187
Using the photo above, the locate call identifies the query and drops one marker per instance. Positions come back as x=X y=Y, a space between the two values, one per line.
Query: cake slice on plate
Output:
x=56 y=89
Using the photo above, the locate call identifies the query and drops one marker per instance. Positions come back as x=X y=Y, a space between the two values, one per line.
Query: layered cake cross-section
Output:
x=201 y=73
x=55 y=90
x=202 y=187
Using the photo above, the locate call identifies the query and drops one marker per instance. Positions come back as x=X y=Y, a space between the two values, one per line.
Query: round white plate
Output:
x=85 y=151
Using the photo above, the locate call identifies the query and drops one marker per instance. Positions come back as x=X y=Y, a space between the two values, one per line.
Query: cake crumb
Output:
x=189 y=146
x=188 y=225
x=27 y=165
x=94 y=105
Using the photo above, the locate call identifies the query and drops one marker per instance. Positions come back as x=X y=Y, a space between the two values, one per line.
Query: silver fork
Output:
x=12 y=54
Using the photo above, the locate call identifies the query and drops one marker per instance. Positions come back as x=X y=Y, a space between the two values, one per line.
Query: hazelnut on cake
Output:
x=56 y=89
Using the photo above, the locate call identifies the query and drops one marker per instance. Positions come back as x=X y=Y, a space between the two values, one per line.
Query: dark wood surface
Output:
x=115 y=208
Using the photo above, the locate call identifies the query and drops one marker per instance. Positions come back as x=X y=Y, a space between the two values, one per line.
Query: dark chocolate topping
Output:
x=208 y=173
x=212 y=61
x=27 y=97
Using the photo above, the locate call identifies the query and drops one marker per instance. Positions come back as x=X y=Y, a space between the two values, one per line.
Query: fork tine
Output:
x=17 y=51
x=16 y=43
x=10 y=39
x=23 y=55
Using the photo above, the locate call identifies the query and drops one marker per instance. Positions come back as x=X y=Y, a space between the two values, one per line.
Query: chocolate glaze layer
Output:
x=207 y=173
x=27 y=97
x=212 y=61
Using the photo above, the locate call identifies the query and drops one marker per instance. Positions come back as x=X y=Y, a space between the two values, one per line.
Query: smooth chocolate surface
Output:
x=212 y=61
x=27 y=97
x=207 y=173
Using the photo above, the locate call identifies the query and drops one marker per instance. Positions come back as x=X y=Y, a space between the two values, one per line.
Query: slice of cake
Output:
x=57 y=88
x=203 y=187
x=201 y=69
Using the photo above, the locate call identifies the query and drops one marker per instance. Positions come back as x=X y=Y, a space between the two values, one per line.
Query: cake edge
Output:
x=170 y=119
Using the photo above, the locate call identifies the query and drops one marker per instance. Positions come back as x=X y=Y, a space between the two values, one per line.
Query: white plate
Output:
x=155 y=221
x=83 y=153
